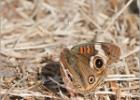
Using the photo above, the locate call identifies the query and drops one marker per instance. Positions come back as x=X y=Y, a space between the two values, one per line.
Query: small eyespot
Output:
x=91 y=79
x=98 y=62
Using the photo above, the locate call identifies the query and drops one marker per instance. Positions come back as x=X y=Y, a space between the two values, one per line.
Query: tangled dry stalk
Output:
x=33 y=32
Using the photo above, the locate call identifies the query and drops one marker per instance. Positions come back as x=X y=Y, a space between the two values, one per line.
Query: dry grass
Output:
x=33 y=32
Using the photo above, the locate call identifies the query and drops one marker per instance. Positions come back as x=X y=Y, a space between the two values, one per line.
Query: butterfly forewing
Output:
x=89 y=49
x=84 y=49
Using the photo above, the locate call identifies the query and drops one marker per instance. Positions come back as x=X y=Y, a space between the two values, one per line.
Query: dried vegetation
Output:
x=33 y=32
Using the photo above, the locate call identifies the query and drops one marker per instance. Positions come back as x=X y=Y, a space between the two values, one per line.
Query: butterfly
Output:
x=84 y=66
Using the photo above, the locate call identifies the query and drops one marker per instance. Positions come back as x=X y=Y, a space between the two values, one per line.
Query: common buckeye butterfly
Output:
x=84 y=67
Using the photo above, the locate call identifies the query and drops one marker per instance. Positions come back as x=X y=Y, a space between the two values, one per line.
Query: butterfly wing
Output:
x=77 y=64
x=111 y=50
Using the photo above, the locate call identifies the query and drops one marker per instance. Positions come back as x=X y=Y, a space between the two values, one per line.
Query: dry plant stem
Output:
x=91 y=20
x=117 y=15
x=13 y=86
x=60 y=84
x=36 y=47
x=26 y=93
x=130 y=53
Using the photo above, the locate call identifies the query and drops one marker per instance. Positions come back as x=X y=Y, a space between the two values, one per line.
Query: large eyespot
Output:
x=91 y=79
x=98 y=62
